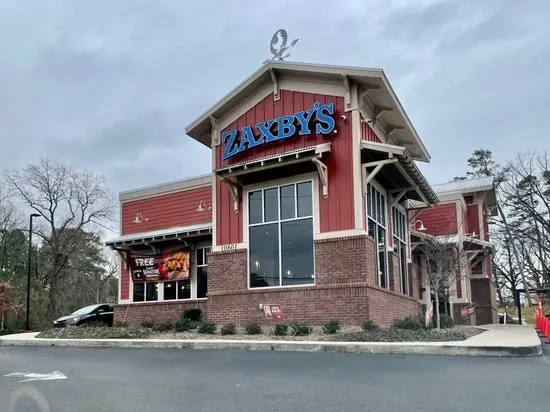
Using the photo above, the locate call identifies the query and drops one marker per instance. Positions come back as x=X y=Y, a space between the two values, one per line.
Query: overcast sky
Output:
x=110 y=85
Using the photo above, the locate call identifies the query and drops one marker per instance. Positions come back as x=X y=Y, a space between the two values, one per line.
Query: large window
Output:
x=376 y=226
x=400 y=234
x=280 y=235
x=202 y=271
x=192 y=288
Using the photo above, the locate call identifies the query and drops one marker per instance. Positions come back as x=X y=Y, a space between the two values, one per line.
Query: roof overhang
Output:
x=459 y=188
x=381 y=98
x=418 y=187
x=164 y=235
x=311 y=156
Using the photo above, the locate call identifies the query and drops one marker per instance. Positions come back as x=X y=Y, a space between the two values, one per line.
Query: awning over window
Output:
x=306 y=154
x=170 y=234
x=312 y=155
x=396 y=164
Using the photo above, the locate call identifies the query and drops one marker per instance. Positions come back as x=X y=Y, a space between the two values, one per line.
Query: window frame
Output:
x=368 y=218
x=403 y=264
x=294 y=180
x=193 y=277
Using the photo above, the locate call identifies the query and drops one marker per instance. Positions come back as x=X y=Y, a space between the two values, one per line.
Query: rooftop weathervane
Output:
x=279 y=45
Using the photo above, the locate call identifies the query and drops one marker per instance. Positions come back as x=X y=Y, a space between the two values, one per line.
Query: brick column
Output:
x=484 y=298
x=344 y=260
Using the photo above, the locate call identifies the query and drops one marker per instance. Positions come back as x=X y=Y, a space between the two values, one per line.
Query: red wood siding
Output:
x=289 y=103
x=168 y=210
x=473 y=219
x=336 y=212
x=367 y=133
x=440 y=220
x=229 y=224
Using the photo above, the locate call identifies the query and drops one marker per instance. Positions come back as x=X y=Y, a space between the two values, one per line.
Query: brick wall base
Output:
x=344 y=290
x=137 y=313
x=484 y=299
x=386 y=306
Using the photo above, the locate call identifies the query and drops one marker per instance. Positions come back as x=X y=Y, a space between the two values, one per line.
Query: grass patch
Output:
x=97 y=332
x=393 y=334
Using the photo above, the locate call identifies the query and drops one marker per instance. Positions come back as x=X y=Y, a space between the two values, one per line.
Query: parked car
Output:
x=102 y=313
x=511 y=320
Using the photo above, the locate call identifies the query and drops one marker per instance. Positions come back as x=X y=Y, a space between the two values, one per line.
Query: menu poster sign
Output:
x=273 y=312
x=172 y=265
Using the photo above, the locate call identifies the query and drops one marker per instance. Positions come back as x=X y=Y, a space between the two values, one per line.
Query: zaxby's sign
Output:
x=320 y=115
x=166 y=266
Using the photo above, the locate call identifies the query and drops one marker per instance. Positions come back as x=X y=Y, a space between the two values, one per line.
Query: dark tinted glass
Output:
x=288 y=202
x=184 y=289
x=170 y=290
x=305 y=200
x=271 y=205
x=151 y=291
x=255 y=207
x=202 y=279
x=264 y=255
x=139 y=292
x=297 y=252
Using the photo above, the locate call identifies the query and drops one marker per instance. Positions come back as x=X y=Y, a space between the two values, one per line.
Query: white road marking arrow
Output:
x=30 y=376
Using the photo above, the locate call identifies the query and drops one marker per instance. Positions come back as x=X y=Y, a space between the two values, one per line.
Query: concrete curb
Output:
x=416 y=348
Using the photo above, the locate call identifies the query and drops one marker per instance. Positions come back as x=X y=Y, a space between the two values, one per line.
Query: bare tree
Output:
x=70 y=203
x=444 y=258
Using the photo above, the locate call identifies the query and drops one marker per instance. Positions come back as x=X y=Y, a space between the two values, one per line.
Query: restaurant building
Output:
x=314 y=179
x=460 y=220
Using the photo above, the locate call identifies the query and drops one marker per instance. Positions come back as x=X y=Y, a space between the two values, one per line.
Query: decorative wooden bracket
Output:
x=347 y=89
x=215 y=130
x=235 y=191
x=276 y=95
x=322 y=169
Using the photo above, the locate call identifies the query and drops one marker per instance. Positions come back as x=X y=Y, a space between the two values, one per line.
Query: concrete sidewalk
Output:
x=497 y=340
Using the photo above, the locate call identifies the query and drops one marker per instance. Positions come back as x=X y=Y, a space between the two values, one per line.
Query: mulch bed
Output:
x=383 y=334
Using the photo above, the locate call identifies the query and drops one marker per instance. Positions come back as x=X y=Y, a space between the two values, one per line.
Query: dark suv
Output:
x=102 y=313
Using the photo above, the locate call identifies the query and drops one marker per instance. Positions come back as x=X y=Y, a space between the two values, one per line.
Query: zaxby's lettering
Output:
x=320 y=116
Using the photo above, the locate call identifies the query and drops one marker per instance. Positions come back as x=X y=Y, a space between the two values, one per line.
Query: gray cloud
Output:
x=110 y=85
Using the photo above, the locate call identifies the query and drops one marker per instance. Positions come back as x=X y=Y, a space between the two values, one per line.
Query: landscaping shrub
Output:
x=147 y=324
x=300 y=329
x=182 y=325
x=94 y=332
x=445 y=321
x=252 y=328
x=228 y=329
x=163 y=327
x=369 y=325
x=280 y=330
x=192 y=314
x=332 y=326
x=207 y=327
x=393 y=334
x=410 y=322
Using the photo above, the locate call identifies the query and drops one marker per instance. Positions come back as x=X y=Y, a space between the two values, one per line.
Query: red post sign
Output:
x=273 y=312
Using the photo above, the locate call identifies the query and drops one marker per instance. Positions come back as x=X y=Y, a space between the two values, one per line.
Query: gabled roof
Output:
x=469 y=186
x=381 y=95
x=480 y=184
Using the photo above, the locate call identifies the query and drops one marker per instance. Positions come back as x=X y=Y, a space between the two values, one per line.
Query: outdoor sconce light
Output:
x=201 y=208
x=420 y=228
x=139 y=218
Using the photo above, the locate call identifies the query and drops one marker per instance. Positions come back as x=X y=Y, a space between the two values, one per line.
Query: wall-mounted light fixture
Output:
x=201 y=208
x=139 y=218
x=421 y=227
